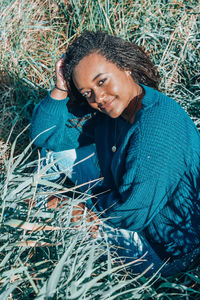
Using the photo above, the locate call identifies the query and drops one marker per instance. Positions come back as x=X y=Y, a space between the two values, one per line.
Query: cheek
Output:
x=117 y=87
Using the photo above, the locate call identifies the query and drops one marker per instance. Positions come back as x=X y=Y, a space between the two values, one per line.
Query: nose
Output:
x=99 y=96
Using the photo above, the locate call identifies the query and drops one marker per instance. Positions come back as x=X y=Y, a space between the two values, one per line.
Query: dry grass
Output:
x=30 y=44
x=33 y=35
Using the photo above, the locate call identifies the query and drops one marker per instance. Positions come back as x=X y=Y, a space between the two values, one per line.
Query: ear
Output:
x=128 y=72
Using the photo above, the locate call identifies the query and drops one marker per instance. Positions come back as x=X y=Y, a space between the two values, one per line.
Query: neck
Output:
x=133 y=106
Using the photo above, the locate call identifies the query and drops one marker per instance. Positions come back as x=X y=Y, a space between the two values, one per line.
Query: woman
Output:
x=146 y=149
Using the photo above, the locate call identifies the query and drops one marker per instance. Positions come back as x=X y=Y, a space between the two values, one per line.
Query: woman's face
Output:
x=106 y=87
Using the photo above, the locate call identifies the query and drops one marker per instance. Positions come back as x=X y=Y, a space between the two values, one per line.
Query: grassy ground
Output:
x=40 y=252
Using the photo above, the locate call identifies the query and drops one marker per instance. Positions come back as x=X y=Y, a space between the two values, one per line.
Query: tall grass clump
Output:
x=45 y=256
x=35 y=33
x=42 y=255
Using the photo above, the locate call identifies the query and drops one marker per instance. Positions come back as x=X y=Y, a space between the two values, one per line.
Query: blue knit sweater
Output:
x=154 y=176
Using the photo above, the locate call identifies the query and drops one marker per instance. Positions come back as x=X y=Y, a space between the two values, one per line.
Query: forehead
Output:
x=90 y=66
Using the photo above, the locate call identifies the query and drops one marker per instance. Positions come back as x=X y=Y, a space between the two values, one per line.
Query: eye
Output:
x=101 y=82
x=86 y=94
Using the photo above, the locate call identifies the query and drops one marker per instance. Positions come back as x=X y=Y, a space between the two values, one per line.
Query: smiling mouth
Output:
x=106 y=105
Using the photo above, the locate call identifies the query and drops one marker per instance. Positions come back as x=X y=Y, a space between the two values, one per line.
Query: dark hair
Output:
x=124 y=54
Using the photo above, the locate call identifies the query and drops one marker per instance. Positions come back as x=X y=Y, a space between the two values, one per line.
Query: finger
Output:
x=76 y=216
x=59 y=65
x=92 y=217
x=94 y=228
x=74 y=220
x=60 y=61
x=77 y=210
x=94 y=232
x=94 y=235
x=55 y=202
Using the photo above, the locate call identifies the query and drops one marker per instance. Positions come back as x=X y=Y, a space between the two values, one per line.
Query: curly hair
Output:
x=125 y=55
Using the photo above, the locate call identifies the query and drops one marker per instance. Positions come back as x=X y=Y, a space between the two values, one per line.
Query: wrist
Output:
x=59 y=94
x=62 y=89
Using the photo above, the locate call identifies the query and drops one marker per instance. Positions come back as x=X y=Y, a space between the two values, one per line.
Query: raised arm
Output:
x=51 y=120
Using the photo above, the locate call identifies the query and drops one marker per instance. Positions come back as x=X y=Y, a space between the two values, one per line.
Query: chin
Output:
x=114 y=114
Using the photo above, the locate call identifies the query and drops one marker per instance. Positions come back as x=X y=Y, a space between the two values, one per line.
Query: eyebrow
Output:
x=93 y=79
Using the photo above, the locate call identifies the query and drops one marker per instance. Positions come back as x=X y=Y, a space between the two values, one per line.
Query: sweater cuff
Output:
x=54 y=107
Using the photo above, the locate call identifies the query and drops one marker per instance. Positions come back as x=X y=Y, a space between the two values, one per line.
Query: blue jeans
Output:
x=82 y=168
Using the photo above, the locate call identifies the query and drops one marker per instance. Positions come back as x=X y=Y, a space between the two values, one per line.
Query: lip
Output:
x=107 y=105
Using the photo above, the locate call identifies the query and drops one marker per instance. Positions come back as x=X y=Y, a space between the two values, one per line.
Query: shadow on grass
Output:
x=17 y=100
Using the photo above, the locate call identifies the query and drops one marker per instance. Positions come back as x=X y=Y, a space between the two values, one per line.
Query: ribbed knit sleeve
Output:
x=51 y=126
x=158 y=150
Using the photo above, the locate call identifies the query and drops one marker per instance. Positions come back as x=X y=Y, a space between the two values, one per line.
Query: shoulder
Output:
x=162 y=113
x=157 y=104
x=165 y=137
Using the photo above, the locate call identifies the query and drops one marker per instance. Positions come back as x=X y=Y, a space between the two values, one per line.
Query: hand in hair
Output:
x=61 y=89
x=60 y=81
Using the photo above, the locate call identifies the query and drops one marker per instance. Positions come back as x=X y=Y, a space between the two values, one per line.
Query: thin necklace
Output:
x=114 y=147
